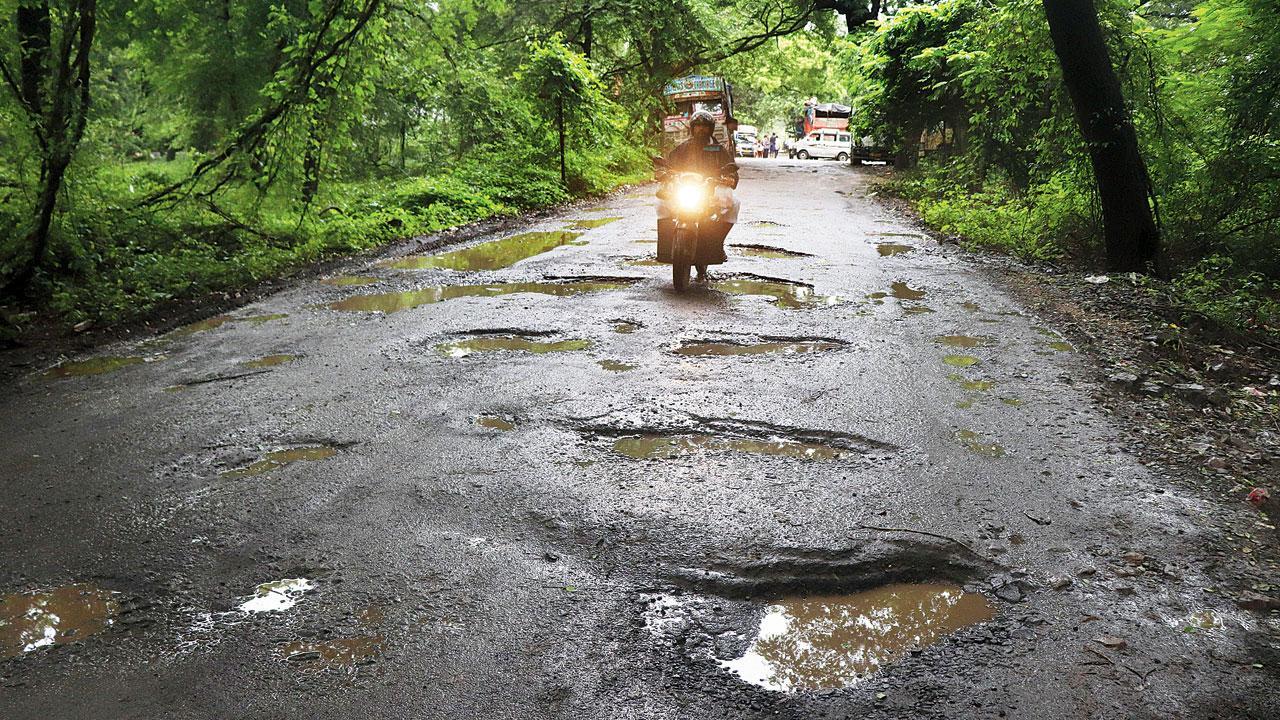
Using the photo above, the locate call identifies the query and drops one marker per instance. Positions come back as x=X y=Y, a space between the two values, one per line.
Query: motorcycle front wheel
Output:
x=682 y=258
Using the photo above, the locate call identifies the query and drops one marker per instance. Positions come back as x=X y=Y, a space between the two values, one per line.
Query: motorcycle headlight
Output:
x=690 y=196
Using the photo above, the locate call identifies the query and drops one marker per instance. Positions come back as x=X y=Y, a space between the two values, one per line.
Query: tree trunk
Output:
x=909 y=149
x=1129 y=228
x=560 y=124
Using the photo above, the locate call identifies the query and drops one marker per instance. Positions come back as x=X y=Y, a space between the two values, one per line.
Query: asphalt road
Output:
x=593 y=524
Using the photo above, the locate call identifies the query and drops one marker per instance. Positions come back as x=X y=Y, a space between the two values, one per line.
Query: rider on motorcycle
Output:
x=703 y=155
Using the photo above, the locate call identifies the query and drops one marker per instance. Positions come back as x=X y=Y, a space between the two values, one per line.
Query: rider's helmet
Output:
x=702 y=117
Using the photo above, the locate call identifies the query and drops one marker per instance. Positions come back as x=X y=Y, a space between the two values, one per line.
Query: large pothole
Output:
x=717 y=435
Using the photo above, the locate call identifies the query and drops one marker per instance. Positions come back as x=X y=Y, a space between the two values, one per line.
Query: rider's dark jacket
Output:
x=710 y=160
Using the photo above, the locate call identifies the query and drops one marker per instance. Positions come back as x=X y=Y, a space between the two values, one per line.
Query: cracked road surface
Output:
x=466 y=486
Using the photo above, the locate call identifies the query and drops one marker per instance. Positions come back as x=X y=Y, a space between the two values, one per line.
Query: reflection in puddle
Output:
x=891 y=249
x=655 y=446
x=393 y=302
x=768 y=251
x=965 y=341
x=784 y=294
x=33 y=620
x=973 y=441
x=960 y=360
x=343 y=653
x=789 y=347
x=615 y=366
x=834 y=641
x=276 y=596
x=592 y=223
x=493 y=255
x=508 y=343
x=271 y=361
x=350 y=280
x=495 y=422
x=280 y=458
x=92 y=366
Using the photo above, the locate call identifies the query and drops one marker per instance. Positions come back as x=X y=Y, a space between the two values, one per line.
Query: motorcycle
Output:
x=692 y=200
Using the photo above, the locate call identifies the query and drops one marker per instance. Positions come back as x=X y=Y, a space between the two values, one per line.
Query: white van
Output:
x=824 y=144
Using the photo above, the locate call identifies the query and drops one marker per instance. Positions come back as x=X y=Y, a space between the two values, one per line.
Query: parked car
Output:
x=744 y=141
x=824 y=144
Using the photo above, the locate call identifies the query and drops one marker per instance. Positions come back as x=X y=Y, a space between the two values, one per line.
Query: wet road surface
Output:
x=525 y=479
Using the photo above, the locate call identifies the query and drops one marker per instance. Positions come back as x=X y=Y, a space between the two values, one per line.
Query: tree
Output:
x=52 y=88
x=1129 y=229
x=567 y=88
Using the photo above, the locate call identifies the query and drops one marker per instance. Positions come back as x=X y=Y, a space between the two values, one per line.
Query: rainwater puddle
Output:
x=626 y=327
x=768 y=251
x=394 y=302
x=972 y=385
x=974 y=442
x=960 y=360
x=787 y=295
x=592 y=223
x=259 y=319
x=349 y=280
x=655 y=446
x=918 y=310
x=1062 y=346
x=508 y=343
x=339 y=653
x=616 y=366
x=271 y=361
x=276 y=596
x=891 y=249
x=216 y=321
x=963 y=341
x=970 y=306
x=280 y=458
x=899 y=290
x=92 y=366
x=781 y=347
x=833 y=641
x=493 y=255
x=495 y=422
x=32 y=620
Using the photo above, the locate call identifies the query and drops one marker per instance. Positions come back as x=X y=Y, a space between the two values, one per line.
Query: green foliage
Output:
x=1217 y=289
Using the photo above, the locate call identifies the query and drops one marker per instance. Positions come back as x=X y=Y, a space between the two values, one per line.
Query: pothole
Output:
x=769 y=251
x=1062 y=346
x=338 y=653
x=201 y=326
x=91 y=366
x=397 y=301
x=626 y=327
x=280 y=458
x=786 y=294
x=733 y=436
x=645 y=262
x=826 y=642
x=492 y=255
x=496 y=422
x=509 y=343
x=763 y=346
x=900 y=290
x=971 y=385
x=891 y=249
x=975 y=443
x=32 y=620
x=960 y=361
x=276 y=596
x=616 y=366
x=962 y=341
x=271 y=361
x=592 y=223
x=260 y=319
x=350 y=280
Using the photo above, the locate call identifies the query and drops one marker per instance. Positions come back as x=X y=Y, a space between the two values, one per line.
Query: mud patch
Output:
x=339 y=653
x=786 y=294
x=891 y=249
x=271 y=361
x=768 y=251
x=764 y=346
x=32 y=620
x=974 y=442
x=91 y=366
x=397 y=301
x=509 y=343
x=280 y=458
x=826 y=642
x=592 y=223
x=493 y=255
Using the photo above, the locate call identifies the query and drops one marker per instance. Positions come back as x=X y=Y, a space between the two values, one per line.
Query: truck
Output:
x=686 y=96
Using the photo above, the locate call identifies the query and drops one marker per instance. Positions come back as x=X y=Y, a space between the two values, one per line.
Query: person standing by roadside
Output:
x=773 y=146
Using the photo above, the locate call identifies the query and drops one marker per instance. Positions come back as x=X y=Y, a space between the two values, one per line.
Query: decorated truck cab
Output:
x=688 y=95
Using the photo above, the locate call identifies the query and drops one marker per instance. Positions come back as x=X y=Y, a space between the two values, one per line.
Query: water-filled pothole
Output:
x=962 y=341
x=91 y=366
x=769 y=251
x=394 y=302
x=509 y=343
x=975 y=443
x=961 y=361
x=971 y=385
x=616 y=366
x=260 y=319
x=493 y=255
x=832 y=641
x=270 y=361
x=891 y=249
x=495 y=422
x=765 y=346
x=660 y=446
x=785 y=293
x=900 y=290
x=32 y=620
x=280 y=458
x=337 y=653
x=591 y=223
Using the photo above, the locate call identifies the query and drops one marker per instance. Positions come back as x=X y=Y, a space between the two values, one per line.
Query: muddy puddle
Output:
x=337 y=653
x=833 y=641
x=91 y=366
x=495 y=422
x=616 y=366
x=960 y=361
x=396 y=301
x=659 y=446
x=350 y=280
x=592 y=223
x=971 y=385
x=32 y=620
x=891 y=249
x=899 y=290
x=280 y=458
x=276 y=596
x=508 y=343
x=493 y=255
x=271 y=361
x=260 y=319
x=768 y=251
x=1062 y=346
x=975 y=443
x=764 y=347
x=788 y=295
x=626 y=327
